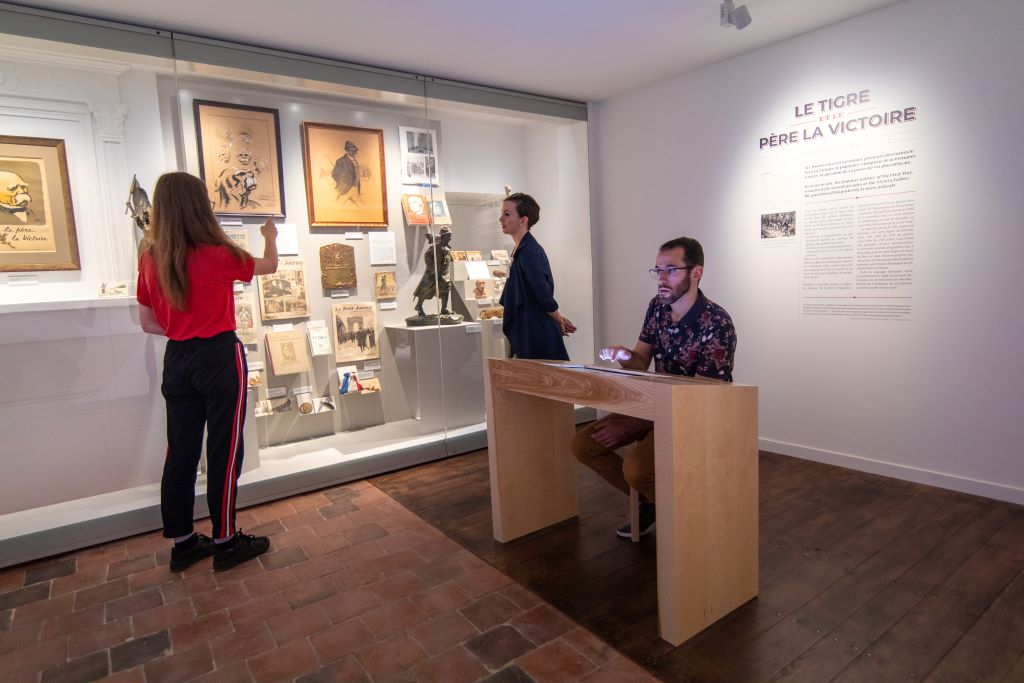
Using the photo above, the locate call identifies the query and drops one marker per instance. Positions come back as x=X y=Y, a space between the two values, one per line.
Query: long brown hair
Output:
x=182 y=219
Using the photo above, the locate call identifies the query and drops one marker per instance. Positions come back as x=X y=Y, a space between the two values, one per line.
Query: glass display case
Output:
x=366 y=172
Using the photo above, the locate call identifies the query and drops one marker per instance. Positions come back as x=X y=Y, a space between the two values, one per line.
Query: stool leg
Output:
x=634 y=515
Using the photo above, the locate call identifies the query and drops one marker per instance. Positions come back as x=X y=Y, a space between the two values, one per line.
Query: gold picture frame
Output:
x=37 y=217
x=345 y=175
x=240 y=158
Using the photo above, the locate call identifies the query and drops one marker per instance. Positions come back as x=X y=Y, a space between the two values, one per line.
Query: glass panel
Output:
x=484 y=154
x=366 y=350
x=342 y=387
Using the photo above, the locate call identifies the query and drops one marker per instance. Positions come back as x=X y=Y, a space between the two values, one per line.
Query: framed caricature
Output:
x=345 y=175
x=37 y=219
x=240 y=158
x=419 y=156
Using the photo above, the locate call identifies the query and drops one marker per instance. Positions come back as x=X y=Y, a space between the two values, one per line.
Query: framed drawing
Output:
x=419 y=156
x=345 y=175
x=384 y=284
x=283 y=294
x=240 y=158
x=37 y=219
x=356 y=332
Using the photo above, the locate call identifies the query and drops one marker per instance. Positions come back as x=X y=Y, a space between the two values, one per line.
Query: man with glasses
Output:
x=684 y=333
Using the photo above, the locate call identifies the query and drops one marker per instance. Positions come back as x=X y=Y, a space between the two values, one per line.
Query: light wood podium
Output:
x=705 y=436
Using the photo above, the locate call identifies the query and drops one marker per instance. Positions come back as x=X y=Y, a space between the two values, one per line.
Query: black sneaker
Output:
x=184 y=555
x=240 y=548
x=646 y=522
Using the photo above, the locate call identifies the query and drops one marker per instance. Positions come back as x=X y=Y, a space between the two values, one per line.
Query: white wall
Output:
x=934 y=400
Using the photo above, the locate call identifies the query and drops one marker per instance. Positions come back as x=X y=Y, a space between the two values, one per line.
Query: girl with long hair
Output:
x=187 y=271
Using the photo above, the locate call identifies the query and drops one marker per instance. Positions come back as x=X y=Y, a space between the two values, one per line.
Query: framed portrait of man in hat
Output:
x=345 y=175
x=37 y=219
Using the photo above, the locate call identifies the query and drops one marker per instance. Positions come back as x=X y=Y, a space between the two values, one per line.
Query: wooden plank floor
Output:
x=863 y=578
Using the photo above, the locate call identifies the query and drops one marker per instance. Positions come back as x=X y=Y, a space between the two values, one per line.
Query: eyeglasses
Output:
x=656 y=273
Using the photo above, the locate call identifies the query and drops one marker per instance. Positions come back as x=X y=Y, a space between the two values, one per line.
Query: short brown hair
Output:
x=693 y=253
x=525 y=206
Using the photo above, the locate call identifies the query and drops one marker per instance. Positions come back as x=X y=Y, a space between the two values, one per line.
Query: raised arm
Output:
x=268 y=263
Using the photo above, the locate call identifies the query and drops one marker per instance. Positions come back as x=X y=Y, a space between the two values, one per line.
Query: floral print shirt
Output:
x=702 y=343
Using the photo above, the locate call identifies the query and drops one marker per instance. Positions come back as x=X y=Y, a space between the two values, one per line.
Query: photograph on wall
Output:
x=345 y=175
x=356 y=331
x=385 y=285
x=245 y=319
x=416 y=209
x=240 y=158
x=283 y=294
x=775 y=225
x=337 y=266
x=287 y=352
x=419 y=156
x=439 y=211
x=37 y=219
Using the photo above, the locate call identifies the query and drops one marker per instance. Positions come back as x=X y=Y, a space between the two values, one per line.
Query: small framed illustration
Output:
x=37 y=219
x=345 y=175
x=240 y=158
x=384 y=285
x=419 y=156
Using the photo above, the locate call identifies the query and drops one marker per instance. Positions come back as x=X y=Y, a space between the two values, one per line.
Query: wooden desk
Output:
x=705 y=436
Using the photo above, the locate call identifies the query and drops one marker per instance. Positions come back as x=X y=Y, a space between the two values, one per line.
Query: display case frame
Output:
x=138 y=91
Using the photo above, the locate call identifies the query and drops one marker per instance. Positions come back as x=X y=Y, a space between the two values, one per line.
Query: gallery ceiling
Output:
x=583 y=50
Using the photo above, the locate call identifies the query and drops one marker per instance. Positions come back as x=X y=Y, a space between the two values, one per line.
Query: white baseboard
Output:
x=976 y=487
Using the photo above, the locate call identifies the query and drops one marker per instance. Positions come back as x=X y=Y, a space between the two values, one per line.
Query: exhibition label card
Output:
x=353 y=235
x=287 y=239
x=374 y=365
x=283 y=327
x=382 y=249
x=277 y=392
x=388 y=305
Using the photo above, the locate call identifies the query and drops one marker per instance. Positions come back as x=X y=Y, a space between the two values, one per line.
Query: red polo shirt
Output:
x=212 y=271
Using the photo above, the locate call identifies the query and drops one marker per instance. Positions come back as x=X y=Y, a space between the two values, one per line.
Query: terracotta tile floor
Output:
x=355 y=588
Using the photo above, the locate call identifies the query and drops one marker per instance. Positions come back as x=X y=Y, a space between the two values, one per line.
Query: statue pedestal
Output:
x=432 y=320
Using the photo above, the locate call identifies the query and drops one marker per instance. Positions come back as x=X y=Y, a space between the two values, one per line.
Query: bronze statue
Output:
x=436 y=281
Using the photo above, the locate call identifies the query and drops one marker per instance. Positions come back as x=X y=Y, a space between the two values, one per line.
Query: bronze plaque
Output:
x=338 y=266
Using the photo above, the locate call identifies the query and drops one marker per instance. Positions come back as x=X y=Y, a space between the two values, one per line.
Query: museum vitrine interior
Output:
x=365 y=349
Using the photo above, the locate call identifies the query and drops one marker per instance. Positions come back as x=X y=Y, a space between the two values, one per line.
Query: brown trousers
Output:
x=635 y=470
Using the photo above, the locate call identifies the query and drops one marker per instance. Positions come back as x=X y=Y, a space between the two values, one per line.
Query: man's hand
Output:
x=614 y=430
x=615 y=353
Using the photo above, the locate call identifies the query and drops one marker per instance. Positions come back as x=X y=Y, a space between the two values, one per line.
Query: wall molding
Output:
x=975 y=487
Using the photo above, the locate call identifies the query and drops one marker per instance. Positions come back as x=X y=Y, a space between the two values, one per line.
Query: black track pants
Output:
x=204 y=385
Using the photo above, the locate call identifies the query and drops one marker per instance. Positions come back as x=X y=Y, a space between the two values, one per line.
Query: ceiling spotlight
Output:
x=734 y=16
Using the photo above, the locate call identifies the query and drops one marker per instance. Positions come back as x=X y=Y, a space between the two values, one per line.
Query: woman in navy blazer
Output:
x=531 y=321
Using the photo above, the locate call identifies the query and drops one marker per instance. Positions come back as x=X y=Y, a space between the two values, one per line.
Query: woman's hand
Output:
x=269 y=230
x=567 y=327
